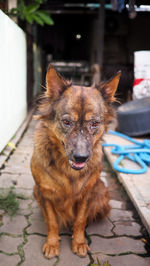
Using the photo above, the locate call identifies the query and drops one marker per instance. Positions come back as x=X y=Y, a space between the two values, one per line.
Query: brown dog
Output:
x=67 y=158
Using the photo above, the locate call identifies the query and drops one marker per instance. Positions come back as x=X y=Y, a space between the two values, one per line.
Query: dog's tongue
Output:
x=77 y=165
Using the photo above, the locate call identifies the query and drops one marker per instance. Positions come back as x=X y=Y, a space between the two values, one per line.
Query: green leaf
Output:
x=38 y=19
x=13 y=11
x=32 y=8
x=21 y=10
x=29 y=18
x=45 y=17
x=40 y=1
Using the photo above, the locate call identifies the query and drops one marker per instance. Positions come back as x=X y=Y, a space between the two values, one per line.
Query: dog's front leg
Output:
x=79 y=245
x=51 y=247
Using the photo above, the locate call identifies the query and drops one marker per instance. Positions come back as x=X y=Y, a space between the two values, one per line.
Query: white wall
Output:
x=13 y=105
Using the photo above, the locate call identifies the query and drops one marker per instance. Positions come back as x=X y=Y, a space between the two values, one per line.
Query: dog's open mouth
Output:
x=76 y=165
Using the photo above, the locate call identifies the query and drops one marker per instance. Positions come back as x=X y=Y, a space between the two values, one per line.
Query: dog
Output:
x=67 y=157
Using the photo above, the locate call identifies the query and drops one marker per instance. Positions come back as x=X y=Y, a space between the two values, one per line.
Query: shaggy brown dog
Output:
x=67 y=158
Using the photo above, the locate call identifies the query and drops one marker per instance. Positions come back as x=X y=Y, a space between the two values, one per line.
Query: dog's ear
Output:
x=109 y=88
x=55 y=83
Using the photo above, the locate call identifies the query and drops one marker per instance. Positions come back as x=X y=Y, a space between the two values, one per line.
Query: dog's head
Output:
x=77 y=115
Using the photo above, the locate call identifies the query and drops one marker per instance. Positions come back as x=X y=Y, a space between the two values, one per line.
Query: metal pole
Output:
x=100 y=32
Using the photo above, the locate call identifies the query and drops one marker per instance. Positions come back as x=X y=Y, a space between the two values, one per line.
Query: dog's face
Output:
x=78 y=115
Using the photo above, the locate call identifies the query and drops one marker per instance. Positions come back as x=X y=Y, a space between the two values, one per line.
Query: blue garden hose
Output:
x=138 y=153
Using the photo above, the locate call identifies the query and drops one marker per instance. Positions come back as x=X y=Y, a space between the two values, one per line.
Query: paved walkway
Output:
x=120 y=239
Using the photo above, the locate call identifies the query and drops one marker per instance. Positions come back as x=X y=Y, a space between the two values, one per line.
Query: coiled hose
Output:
x=138 y=153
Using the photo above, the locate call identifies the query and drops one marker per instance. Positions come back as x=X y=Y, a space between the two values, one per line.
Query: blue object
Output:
x=139 y=153
x=121 y=5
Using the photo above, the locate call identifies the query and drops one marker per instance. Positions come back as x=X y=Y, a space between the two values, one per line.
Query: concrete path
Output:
x=120 y=239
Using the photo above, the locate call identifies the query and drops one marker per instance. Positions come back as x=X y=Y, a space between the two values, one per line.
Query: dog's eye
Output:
x=66 y=123
x=94 y=124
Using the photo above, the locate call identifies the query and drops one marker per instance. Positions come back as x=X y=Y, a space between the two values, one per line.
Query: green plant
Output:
x=32 y=12
x=99 y=264
x=9 y=203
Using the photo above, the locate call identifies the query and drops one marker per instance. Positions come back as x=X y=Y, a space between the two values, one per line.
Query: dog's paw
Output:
x=51 y=250
x=80 y=249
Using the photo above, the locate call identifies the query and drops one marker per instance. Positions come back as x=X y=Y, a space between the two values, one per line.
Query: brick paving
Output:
x=120 y=239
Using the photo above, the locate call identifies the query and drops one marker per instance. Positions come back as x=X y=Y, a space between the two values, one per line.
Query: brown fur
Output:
x=67 y=158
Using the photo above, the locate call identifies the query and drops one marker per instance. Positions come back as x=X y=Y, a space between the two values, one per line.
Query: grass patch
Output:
x=2 y=153
x=100 y=264
x=9 y=203
x=121 y=164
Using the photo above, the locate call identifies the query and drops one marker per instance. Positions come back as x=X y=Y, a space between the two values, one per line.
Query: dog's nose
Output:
x=80 y=158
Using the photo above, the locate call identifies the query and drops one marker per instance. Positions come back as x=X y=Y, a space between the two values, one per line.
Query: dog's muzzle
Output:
x=79 y=161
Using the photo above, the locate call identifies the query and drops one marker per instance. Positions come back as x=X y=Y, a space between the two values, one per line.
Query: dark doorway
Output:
x=69 y=38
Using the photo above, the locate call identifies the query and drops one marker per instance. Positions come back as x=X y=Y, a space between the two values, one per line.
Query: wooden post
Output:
x=98 y=44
